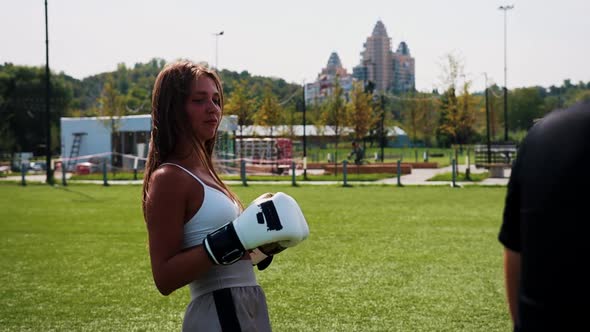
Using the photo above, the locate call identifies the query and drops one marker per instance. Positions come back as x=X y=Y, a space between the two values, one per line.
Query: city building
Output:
x=388 y=71
x=323 y=87
x=403 y=69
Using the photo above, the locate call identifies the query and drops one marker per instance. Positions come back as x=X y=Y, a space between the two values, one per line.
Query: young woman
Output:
x=184 y=200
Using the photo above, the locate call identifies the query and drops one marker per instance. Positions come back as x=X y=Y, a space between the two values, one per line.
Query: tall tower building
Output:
x=316 y=92
x=403 y=69
x=376 y=58
x=387 y=70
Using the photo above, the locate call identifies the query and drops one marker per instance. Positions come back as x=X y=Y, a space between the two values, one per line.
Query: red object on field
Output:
x=83 y=168
x=285 y=146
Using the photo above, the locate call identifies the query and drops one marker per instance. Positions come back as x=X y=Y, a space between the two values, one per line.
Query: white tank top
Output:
x=217 y=210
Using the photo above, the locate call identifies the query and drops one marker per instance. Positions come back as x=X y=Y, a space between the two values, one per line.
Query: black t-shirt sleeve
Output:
x=510 y=230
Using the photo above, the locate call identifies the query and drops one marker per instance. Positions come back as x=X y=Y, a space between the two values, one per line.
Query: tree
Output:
x=581 y=95
x=314 y=116
x=445 y=133
x=526 y=105
x=240 y=104
x=122 y=78
x=137 y=100
x=7 y=140
x=293 y=117
x=419 y=116
x=457 y=117
x=379 y=106
x=551 y=103
x=467 y=115
x=359 y=112
x=257 y=85
x=112 y=106
x=111 y=109
x=22 y=108
x=452 y=69
x=429 y=119
x=292 y=113
x=269 y=113
x=334 y=113
x=412 y=114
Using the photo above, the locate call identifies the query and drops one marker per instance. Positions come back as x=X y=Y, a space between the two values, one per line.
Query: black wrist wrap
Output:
x=223 y=245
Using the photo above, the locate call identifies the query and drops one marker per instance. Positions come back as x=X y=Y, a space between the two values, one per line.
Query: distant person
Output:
x=199 y=234
x=277 y=156
x=358 y=153
x=546 y=227
x=279 y=151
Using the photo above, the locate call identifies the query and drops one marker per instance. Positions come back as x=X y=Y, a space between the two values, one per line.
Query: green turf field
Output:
x=378 y=259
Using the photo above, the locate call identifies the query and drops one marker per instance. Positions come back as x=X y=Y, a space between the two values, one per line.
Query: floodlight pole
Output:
x=304 y=137
x=49 y=176
x=488 y=144
x=505 y=9
x=382 y=128
x=217 y=34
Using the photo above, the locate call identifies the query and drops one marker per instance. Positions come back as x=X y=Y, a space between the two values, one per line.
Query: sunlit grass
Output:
x=378 y=259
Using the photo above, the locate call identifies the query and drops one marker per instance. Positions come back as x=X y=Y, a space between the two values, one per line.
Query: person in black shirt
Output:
x=358 y=152
x=546 y=226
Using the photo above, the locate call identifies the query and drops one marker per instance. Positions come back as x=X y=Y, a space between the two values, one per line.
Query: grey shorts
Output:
x=229 y=309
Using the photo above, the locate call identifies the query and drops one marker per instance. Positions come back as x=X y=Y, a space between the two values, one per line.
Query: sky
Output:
x=547 y=41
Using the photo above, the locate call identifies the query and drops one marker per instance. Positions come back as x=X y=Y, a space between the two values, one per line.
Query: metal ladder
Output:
x=75 y=151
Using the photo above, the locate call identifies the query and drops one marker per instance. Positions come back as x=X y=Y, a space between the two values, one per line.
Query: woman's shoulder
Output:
x=167 y=172
x=170 y=178
x=171 y=189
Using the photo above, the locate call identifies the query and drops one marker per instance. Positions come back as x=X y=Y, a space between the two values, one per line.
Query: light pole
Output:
x=382 y=129
x=304 y=109
x=488 y=143
x=505 y=9
x=49 y=175
x=217 y=34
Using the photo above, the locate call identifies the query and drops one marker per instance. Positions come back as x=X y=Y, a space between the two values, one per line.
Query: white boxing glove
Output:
x=277 y=219
x=262 y=257
x=261 y=198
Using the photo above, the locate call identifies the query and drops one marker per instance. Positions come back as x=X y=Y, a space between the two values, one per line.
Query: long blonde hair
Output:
x=170 y=121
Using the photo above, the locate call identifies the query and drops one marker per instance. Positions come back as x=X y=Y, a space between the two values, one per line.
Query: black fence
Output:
x=496 y=154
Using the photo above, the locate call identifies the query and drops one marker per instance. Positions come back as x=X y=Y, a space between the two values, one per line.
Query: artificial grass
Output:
x=378 y=259
x=442 y=156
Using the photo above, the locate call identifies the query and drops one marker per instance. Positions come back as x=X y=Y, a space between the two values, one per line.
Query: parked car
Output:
x=37 y=166
x=86 y=168
x=4 y=171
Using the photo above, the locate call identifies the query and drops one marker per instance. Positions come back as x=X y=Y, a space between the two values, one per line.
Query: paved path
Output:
x=421 y=176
